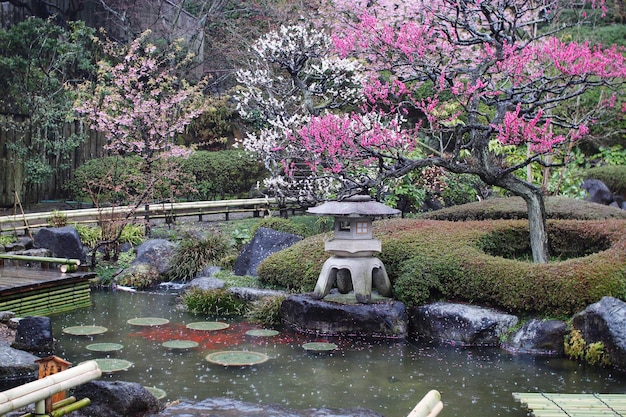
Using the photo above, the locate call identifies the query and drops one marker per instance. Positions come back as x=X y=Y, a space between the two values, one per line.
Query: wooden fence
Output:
x=169 y=211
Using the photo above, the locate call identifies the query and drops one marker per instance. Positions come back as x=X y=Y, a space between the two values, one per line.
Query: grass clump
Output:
x=217 y=302
x=266 y=311
x=194 y=253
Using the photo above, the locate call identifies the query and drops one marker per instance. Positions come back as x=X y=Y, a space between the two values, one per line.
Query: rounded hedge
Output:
x=479 y=262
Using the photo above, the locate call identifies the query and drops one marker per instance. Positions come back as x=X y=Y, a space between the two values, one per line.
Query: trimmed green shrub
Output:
x=217 y=302
x=223 y=174
x=613 y=176
x=295 y=268
x=194 y=253
x=515 y=208
x=428 y=260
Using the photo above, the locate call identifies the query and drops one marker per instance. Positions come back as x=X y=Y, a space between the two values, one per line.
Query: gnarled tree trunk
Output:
x=536 y=215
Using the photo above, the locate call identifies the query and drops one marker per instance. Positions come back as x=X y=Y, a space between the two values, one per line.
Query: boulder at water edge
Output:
x=605 y=321
x=34 y=335
x=304 y=314
x=16 y=367
x=115 y=399
x=460 y=324
x=263 y=244
x=539 y=337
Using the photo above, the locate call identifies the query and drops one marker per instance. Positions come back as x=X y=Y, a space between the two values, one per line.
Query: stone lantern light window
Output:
x=352 y=265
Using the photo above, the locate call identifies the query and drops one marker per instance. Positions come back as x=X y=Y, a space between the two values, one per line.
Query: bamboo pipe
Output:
x=50 y=259
x=72 y=407
x=429 y=406
x=63 y=403
x=41 y=389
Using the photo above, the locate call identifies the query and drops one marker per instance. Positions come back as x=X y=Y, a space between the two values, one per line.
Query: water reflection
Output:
x=386 y=377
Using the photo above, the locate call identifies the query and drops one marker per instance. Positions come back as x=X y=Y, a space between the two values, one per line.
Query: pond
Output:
x=387 y=377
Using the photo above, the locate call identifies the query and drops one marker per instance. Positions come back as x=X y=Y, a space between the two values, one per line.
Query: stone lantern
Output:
x=352 y=264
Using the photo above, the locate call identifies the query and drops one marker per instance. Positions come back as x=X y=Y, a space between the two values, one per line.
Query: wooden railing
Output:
x=168 y=211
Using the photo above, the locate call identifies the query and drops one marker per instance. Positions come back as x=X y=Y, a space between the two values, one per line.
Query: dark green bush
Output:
x=429 y=260
x=222 y=174
x=217 y=302
x=102 y=175
x=613 y=176
x=194 y=253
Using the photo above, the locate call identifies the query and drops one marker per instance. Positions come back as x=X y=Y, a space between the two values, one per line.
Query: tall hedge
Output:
x=223 y=174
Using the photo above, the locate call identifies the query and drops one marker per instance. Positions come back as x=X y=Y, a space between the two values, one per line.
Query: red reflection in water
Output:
x=233 y=335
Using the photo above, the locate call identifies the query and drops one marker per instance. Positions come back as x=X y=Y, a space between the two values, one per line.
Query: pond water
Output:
x=387 y=377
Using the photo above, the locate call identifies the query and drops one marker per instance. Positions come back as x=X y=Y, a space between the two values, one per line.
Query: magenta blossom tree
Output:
x=452 y=81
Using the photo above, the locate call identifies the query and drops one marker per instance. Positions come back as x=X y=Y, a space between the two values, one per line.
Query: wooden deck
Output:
x=39 y=292
x=573 y=405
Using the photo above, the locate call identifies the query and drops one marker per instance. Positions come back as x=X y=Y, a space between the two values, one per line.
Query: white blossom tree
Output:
x=293 y=76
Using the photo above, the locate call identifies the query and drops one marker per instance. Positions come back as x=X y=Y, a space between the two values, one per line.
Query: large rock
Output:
x=539 y=337
x=304 y=314
x=604 y=322
x=16 y=367
x=224 y=407
x=34 y=335
x=460 y=324
x=156 y=252
x=63 y=242
x=115 y=399
x=263 y=244
x=152 y=260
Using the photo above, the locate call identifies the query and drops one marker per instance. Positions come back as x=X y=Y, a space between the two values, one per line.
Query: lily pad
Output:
x=237 y=358
x=104 y=347
x=180 y=344
x=157 y=392
x=109 y=366
x=85 y=330
x=207 y=325
x=262 y=332
x=319 y=346
x=148 y=321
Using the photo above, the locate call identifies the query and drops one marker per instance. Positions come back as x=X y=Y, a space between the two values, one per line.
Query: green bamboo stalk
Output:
x=50 y=259
x=72 y=407
x=48 y=292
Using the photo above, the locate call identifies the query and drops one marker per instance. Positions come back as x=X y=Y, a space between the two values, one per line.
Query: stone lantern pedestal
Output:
x=353 y=265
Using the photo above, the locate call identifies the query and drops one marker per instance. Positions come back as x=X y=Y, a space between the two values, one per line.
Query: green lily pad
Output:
x=237 y=358
x=148 y=321
x=262 y=332
x=319 y=346
x=180 y=344
x=109 y=366
x=85 y=330
x=157 y=392
x=104 y=347
x=207 y=325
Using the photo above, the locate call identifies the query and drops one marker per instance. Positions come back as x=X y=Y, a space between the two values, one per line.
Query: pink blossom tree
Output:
x=451 y=81
x=141 y=104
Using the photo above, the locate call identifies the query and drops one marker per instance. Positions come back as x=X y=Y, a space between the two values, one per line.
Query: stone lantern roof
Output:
x=355 y=206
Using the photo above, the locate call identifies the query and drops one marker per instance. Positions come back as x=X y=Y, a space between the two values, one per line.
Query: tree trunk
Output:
x=536 y=215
